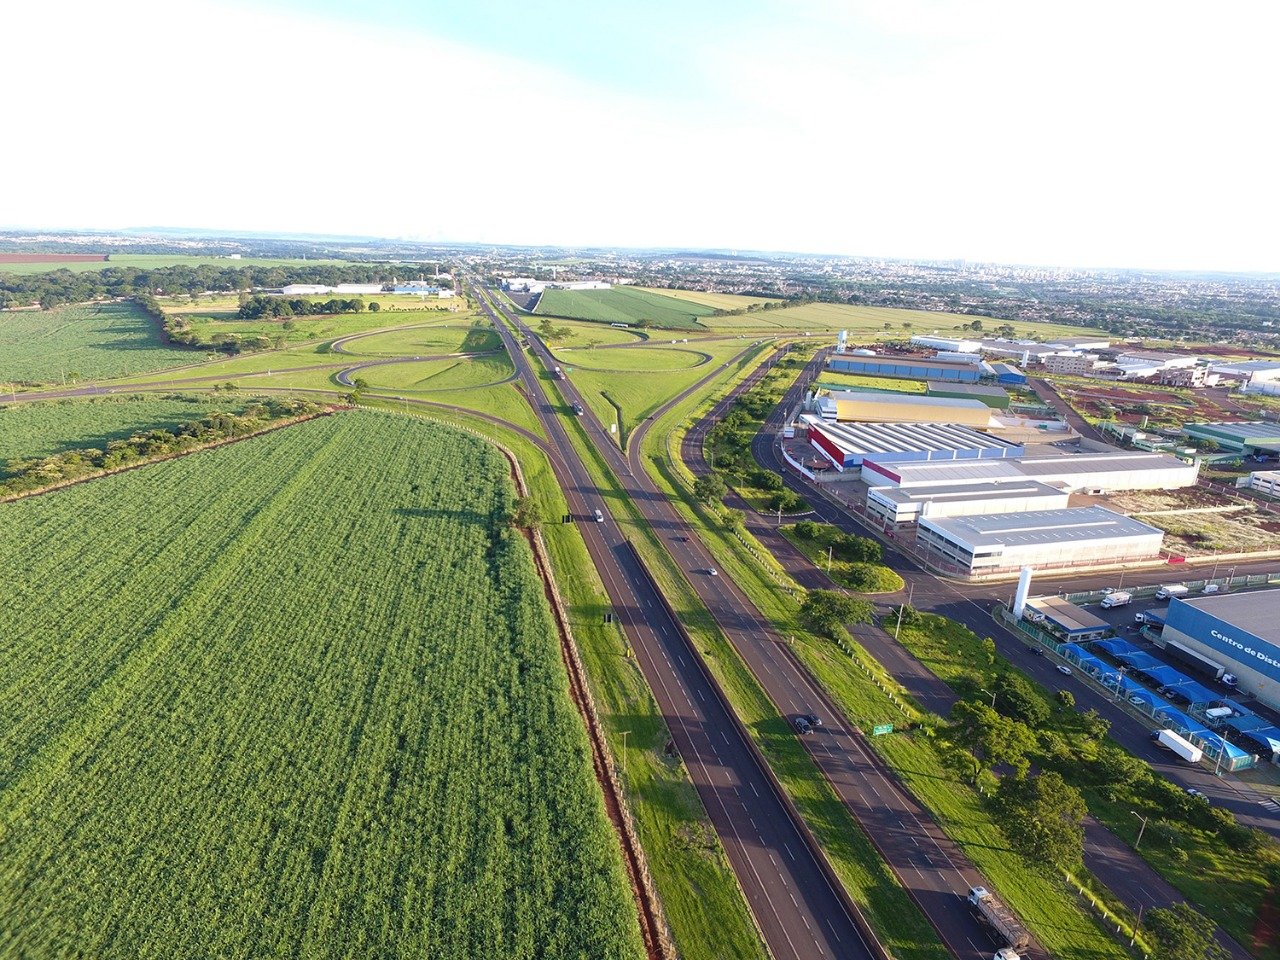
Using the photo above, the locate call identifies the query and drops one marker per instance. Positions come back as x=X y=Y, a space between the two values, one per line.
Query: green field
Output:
x=266 y=701
x=31 y=430
x=585 y=333
x=716 y=301
x=93 y=342
x=433 y=340
x=622 y=305
x=451 y=374
x=841 y=381
x=148 y=261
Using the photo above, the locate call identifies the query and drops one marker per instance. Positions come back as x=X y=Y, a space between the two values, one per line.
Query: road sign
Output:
x=881 y=729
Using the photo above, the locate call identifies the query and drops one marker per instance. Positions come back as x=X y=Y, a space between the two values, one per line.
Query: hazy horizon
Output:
x=1095 y=138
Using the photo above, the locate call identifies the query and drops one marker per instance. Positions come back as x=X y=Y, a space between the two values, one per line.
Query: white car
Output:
x=713 y=572
x=1137 y=701
x=1063 y=669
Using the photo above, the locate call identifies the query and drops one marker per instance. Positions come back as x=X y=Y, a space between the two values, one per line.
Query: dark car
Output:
x=813 y=720
x=803 y=725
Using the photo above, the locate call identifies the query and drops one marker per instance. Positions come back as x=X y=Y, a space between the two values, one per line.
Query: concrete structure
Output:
x=851 y=445
x=1075 y=472
x=523 y=285
x=893 y=506
x=1073 y=364
x=870 y=406
x=989 y=394
x=948 y=344
x=1003 y=542
x=1258 y=437
x=908 y=367
x=1252 y=373
x=1239 y=630
x=1265 y=482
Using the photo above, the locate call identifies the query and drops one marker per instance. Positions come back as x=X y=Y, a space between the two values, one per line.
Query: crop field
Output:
x=266 y=701
x=716 y=301
x=622 y=305
x=869 y=323
x=93 y=342
x=30 y=430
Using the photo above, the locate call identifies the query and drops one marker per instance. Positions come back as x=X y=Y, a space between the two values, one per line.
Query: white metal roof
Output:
x=965 y=492
x=1065 y=526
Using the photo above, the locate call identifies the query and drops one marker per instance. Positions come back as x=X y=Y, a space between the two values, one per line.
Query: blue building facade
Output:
x=906 y=367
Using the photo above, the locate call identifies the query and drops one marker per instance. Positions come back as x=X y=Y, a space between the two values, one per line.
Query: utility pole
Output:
x=624 y=751
x=1140 y=829
x=901 y=607
x=993 y=696
x=829 y=559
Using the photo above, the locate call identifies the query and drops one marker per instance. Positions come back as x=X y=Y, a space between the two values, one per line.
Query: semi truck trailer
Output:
x=1002 y=921
x=1185 y=749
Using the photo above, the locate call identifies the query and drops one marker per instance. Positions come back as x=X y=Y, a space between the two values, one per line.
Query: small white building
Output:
x=305 y=289
x=1006 y=542
x=1265 y=482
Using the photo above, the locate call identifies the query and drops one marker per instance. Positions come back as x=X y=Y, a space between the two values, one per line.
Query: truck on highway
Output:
x=1117 y=599
x=1172 y=590
x=1002 y=921
x=1185 y=749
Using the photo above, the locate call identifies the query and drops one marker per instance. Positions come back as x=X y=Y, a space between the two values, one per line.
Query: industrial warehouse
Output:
x=853 y=445
x=895 y=506
x=1238 y=632
x=1004 y=542
x=1074 y=472
x=1256 y=439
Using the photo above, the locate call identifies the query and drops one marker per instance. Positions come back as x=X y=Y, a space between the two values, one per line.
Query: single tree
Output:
x=709 y=488
x=827 y=611
x=1044 y=816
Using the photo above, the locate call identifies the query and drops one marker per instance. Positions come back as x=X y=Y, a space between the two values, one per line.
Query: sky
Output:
x=1086 y=134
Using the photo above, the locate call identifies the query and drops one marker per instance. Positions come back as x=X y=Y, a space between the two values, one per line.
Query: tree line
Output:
x=28 y=475
x=256 y=307
x=59 y=287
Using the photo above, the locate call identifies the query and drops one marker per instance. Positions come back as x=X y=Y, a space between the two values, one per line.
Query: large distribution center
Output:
x=1240 y=631
x=1120 y=470
x=867 y=406
x=892 y=506
x=849 y=445
x=1005 y=542
x=1255 y=438
x=882 y=366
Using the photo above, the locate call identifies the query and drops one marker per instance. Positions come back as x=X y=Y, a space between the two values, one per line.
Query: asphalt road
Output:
x=936 y=874
x=799 y=911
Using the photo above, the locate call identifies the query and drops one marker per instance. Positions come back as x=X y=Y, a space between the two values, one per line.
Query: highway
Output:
x=930 y=866
x=800 y=911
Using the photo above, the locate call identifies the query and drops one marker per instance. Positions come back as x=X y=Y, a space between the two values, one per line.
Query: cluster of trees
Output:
x=827 y=612
x=257 y=307
x=59 y=287
x=25 y=476
x=844 y=546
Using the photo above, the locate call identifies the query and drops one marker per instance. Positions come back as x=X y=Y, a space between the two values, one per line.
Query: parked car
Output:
x=1229 y=679
x=1063 y=669
x=1212 y=588
x=1137 y=701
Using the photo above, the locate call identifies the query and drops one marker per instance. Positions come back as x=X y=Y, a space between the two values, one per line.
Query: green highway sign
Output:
x=881 y=729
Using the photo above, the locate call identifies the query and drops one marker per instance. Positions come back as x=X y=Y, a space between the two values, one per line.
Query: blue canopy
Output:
x=1116 y=646
x=1246 y=724
x=1182 y=723
x=1268 y=738
x=1166 y=676
x=1139 y=661
x=1191 y=692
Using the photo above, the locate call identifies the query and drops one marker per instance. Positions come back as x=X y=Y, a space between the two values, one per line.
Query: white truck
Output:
x=1185 y=749
x=1002 y=921
x=1172 y=590
x=1117 y=599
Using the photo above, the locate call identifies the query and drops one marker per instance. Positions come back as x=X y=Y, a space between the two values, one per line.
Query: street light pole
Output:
x=1140 y=829
x=993 y=696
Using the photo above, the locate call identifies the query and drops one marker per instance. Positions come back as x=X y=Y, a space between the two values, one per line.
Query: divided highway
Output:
x=930 y=866
x=799 y=911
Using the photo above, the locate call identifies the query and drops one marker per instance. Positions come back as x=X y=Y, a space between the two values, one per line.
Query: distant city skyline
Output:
x=1092 y=136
